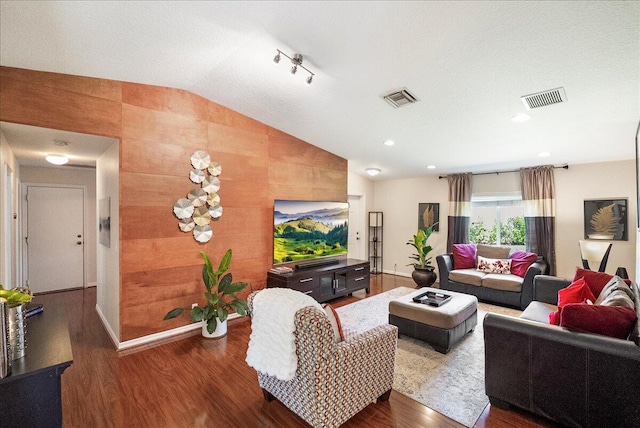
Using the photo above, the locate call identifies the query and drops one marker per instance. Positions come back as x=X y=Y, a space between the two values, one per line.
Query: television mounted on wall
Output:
x=308 y=230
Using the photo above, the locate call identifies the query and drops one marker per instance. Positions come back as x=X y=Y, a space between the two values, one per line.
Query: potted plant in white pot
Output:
x=221 y=298
x=423 y=274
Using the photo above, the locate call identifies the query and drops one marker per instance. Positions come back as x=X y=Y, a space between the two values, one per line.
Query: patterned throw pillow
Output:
x=494 y=265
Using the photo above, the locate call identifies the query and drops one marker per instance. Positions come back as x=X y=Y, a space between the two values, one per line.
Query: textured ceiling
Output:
x=468 y=63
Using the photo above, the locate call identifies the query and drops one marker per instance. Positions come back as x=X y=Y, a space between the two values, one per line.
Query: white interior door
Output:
x=356 y=233
x=55 y=238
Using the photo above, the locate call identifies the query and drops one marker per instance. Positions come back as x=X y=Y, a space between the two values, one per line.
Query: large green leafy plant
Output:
x=220 y=294
x=419 y=242
x=15 y=296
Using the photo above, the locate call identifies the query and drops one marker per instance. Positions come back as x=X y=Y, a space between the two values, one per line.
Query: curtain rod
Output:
x=502 y=172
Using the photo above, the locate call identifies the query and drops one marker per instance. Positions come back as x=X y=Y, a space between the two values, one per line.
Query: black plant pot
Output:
x=424 y=277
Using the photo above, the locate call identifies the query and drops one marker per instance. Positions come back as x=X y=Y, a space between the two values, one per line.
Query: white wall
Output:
x=605 y=180
x=399 y=199
x=77 y=176
x=9 y=173
x=108 y=258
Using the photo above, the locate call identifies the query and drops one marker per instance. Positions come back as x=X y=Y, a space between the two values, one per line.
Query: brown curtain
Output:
x=459 y=217
x=538 y=196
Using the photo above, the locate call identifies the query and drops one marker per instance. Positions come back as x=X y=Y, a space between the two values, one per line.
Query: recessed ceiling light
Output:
x=522 y=117
x=373 y=171
x=544 y=154
x=389 y=143
x=431 y=167
x=57 y=159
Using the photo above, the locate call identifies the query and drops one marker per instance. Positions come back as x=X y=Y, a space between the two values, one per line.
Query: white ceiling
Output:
x=30 y=145
x=468 y=62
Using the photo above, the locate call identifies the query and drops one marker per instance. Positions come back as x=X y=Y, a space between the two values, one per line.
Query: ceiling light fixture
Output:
x=373 y=171
x=297 y=62
x=431 y=167
x=522 y=117
x=544 y=154
x=389 y=143
x=57 y=159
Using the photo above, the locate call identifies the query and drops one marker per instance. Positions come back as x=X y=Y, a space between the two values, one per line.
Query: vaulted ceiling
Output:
x=468 y=63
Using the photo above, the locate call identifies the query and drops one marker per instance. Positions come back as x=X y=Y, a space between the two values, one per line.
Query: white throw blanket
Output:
x=272 y=348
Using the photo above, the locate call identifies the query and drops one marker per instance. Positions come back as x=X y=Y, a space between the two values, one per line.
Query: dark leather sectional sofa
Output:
x=575 y=379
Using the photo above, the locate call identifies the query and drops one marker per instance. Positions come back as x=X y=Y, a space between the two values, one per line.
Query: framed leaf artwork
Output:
x=428 y=215
x=606 y=219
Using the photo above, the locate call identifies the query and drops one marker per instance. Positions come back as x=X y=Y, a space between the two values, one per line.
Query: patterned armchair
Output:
x=333 y=381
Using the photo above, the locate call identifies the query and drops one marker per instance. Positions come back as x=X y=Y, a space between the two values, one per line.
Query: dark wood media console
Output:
x=31 y=396
x=325 y=281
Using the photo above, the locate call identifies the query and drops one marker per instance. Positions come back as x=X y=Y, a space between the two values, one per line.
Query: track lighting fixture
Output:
x=296 y=62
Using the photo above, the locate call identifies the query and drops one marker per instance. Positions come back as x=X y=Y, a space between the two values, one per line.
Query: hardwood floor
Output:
x=196 y=382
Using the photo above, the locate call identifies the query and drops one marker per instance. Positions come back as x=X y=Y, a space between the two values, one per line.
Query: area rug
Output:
x=451 y=384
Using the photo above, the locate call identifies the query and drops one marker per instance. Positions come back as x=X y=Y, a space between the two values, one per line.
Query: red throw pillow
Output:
x=520 y=262
x=614 y=321
x=577 y=292
x=464 y=256
x=595 y=280
x=554 y=317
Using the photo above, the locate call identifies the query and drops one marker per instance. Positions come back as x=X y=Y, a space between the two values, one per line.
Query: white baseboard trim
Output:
x=145 y=340
x=107 y=326
x=390 y=272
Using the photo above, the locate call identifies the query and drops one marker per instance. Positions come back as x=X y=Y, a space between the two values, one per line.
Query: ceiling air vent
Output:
x=544 y=98
x=400 y=98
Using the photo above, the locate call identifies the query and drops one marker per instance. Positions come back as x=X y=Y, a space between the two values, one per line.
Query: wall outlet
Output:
x=193 y=305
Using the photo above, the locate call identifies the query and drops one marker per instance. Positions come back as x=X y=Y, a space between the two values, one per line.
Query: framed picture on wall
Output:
x=104 y=221
x=606 y=219
x=428 y=215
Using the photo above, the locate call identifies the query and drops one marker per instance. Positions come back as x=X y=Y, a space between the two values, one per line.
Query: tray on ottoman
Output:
x=432 y=298
x=440 y=326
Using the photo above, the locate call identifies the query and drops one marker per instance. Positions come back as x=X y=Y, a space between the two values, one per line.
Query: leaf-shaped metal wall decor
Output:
x=201 y=204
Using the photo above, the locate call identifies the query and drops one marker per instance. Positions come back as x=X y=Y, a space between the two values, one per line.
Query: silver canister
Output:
x=5 y=360
x=16 y=323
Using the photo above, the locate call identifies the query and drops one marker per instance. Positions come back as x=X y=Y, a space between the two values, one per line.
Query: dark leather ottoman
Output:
x=441 y=327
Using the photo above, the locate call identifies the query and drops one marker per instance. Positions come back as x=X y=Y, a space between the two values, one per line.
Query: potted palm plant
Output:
x=221 y=298
x=423 y=274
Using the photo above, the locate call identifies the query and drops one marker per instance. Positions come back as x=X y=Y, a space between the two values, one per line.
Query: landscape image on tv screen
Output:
x=304 y=230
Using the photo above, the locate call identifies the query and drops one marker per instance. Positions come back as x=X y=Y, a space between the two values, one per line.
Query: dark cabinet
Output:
x=31 y=396
x=325 y=282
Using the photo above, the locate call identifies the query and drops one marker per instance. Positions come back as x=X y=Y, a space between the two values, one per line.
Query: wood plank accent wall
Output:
x=159 y=128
